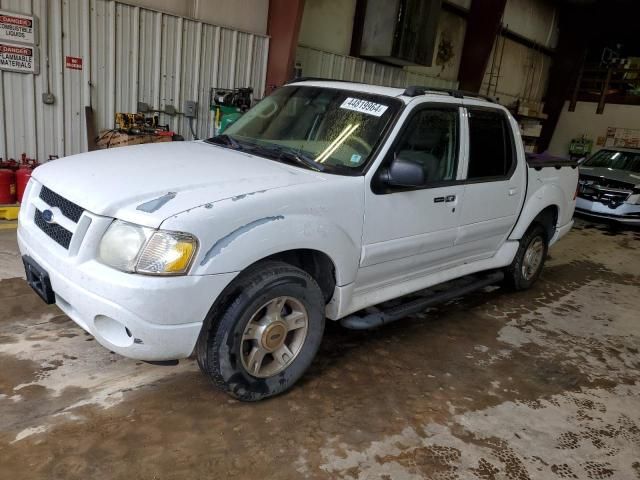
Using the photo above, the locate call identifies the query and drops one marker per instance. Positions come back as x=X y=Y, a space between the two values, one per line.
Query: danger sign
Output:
x=19 y=58
x=74 y=63
x=15 y=27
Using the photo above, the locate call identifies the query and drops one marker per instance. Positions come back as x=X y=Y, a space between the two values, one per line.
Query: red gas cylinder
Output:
x=23 y=174
x=7 y=186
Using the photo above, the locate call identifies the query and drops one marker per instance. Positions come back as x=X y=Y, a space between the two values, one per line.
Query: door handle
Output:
x=512 y=191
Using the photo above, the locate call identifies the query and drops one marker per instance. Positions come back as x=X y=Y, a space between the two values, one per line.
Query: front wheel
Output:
x=529 y=260
x=268 y=336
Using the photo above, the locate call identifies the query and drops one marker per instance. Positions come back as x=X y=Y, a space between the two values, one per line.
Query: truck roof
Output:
x=405 y=94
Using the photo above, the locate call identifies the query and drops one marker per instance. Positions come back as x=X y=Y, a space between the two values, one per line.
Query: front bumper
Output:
x=624 y=213
x=137 y=316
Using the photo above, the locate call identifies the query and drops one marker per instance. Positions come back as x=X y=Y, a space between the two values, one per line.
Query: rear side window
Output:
x=490 y=145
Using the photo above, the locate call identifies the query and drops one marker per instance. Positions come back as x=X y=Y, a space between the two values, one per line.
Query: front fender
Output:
x=234 y=233
x=252 y=241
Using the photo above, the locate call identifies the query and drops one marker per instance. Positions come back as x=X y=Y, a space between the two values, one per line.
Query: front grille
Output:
x=608 y=192
x=69 y=209
x=607 y=182
x=59 y=234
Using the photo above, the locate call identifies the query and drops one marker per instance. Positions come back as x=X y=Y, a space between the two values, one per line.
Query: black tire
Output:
x=219 y=347
x=514 y=277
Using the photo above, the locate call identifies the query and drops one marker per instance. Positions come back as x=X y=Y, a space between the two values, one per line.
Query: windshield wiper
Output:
x=288 y=155
x=226 y=140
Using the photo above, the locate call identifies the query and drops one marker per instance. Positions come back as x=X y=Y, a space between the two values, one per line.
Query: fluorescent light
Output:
x=324 y=152
x=337 y=142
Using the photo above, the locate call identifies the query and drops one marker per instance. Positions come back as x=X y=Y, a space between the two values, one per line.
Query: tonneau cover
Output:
x=544 y=160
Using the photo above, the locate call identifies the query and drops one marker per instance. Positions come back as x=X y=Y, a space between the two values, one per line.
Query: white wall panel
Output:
x=535 y=20
x=129 y=54
x=524 y=73
x=317 y=63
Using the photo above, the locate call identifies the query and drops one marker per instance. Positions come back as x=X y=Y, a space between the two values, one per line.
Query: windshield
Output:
x=320 y=128
x=615 y=160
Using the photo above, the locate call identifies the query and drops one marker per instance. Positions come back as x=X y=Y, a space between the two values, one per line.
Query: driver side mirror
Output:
x=403 y=173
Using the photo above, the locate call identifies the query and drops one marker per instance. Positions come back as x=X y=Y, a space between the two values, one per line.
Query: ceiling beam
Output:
x=483 y=25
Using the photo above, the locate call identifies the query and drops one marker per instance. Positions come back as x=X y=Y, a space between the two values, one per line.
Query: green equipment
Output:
x=580 y=147
x=227 y=106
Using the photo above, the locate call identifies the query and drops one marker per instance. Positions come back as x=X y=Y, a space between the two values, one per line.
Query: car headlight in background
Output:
x=132 y=248
x=634 y=199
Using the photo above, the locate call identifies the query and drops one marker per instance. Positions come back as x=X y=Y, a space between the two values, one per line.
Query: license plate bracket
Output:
x=38 y=279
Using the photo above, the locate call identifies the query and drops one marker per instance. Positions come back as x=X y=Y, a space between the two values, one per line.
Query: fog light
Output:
x=113 y=331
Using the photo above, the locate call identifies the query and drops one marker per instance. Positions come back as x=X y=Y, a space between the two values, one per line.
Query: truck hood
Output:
x=146 y=184
x=612 y=174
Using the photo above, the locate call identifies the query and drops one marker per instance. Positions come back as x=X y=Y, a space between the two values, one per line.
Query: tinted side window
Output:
x=431 y=139
x=490 y=145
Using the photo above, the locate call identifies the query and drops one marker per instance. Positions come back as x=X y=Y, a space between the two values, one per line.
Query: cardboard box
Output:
x=112 y=139
x=531 y=129
x=532 y=109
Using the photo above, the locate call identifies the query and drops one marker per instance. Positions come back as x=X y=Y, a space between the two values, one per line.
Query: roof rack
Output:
x=318 y=79
x=412 y=91
x=415 y=90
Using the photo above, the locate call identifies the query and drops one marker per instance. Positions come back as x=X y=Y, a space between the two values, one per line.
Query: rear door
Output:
x=410 y=231
x=495 y=182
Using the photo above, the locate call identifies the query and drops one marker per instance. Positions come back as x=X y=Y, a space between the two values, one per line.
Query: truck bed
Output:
x=550 y=180
x=542 y=160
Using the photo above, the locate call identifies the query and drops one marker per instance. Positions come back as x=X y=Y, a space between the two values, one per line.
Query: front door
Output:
x=409 y=232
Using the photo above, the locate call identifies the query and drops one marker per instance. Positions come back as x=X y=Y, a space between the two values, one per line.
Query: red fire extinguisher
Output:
x=7 y=186
x=23 y=174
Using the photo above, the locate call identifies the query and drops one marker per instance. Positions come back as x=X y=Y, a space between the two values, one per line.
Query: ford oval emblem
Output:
x=47 y=216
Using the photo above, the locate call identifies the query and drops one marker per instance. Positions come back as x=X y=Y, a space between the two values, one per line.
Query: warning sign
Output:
x=74 y=63
x=19 y=58
x=15 y=27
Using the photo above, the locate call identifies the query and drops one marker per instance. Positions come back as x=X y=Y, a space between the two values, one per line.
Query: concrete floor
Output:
x=543 y=384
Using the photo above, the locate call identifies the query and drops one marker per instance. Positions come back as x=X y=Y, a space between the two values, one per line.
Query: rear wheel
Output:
x=529 y=260
x=267 y=337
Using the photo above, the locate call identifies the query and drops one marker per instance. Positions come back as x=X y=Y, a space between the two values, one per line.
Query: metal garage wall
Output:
x=317 y=63
x=129 y=54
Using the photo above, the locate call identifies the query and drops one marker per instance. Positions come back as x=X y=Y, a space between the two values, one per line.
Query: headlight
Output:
x=167 y=253
x=121 y=245
x=634 y=199
x=132 y=248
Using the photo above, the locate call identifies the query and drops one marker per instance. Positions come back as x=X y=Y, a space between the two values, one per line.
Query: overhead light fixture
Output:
x=340 y=139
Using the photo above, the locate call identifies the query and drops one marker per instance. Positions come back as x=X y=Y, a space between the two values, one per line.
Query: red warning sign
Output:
x=74 y=63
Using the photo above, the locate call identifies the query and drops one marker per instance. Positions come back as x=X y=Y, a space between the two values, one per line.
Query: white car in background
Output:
x=324 y=199
x=609 y=185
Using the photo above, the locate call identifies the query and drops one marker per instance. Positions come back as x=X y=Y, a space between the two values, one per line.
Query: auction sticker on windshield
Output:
x=364 y=106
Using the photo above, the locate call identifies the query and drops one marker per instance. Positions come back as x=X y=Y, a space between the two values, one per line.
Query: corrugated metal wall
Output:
x=130 y=54
x=317 y=63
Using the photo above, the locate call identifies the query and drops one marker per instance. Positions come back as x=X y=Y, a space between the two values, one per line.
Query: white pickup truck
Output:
x=324 y=199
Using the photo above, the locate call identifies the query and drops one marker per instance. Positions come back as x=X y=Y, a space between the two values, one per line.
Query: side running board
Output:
x=465 y=286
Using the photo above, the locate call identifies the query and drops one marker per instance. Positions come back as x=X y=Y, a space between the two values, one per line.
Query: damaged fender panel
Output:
x=257 y=239
x=235 y=233
x=157 y=203
x=227 y=239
